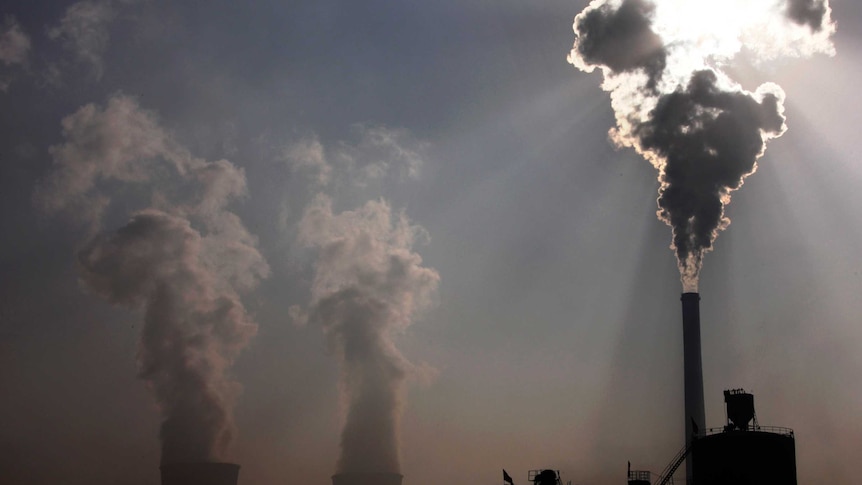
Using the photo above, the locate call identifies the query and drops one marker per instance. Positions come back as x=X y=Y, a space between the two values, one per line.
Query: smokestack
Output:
x=205 y=473
x=367 y=479
x=695 y=421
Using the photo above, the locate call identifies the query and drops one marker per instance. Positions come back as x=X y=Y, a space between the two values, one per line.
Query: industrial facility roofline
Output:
x=758 y=429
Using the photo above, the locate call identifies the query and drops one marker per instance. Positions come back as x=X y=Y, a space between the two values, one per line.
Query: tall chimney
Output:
x=695 y=421
x=200 y=474
x=367 y=479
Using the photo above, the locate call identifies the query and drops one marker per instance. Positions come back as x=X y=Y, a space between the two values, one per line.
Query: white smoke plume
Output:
x=14 y=42
x=663 y=63
x=84 y=30
x=382 y=153
x=369 y=285
x=184 y=260
x=14 y=49
x=307 y=156
x=379 y=154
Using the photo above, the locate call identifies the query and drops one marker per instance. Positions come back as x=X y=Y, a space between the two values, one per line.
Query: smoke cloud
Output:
x=14 y=43
x=662 y=62
x=184 y=260
x=84 y=30
x=808 y=12
x=307 y=156
x=369 y=284
x=379 y=154
x=14 y=50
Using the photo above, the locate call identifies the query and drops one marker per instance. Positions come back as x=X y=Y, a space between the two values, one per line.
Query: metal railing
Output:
x=666 y=476
x=763 y=429
x=640 y=475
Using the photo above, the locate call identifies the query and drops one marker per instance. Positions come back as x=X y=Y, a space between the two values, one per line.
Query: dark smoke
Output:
x=709 y=141
x=184 y=261
x=676 y=106
x=621 y=39
x=368 y=286
x=812 y=13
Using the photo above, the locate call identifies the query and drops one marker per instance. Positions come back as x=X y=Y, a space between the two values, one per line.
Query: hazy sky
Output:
x=533 y=319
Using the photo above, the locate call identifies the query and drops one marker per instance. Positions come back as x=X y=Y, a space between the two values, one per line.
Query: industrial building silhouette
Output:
x=741 y=452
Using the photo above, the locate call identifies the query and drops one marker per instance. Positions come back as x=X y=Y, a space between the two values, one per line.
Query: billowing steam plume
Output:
x=662 y=62
x=368 y=286
x=184 y=261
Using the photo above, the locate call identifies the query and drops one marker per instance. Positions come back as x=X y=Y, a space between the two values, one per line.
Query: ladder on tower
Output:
x=666 y=475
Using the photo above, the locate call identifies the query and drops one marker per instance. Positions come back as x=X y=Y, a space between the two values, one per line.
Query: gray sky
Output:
x=553 y=336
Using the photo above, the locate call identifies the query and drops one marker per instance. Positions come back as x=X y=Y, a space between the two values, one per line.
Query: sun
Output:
x=712 y=30
x=706 y=33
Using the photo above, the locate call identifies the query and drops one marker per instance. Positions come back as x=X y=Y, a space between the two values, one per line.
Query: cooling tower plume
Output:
x=193 y=330
x=368 y=286
x=663 y=64
x=184 y=260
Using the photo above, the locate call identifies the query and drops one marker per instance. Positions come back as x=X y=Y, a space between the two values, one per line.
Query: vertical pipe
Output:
x=695 y=421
